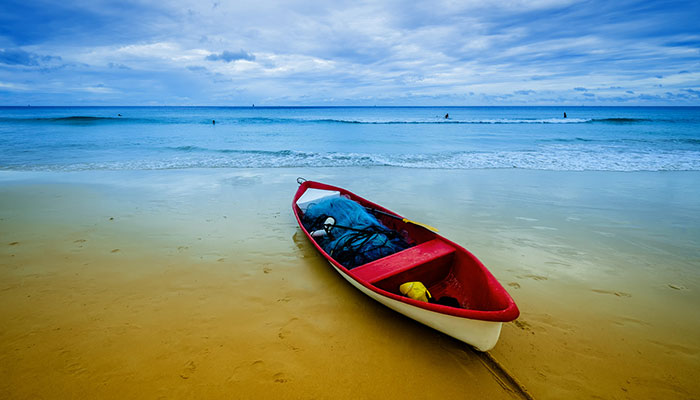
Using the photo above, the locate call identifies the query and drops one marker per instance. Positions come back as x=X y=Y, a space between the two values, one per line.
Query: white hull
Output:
x=483 y=335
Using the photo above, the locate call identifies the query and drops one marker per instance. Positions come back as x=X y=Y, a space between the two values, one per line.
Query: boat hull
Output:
x=471 y=305
x=483 y=335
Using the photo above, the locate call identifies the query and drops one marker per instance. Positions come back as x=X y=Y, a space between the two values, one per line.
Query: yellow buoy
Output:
x=415 y=290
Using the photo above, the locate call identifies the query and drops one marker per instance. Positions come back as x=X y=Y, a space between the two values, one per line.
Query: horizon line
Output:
x=349 y=106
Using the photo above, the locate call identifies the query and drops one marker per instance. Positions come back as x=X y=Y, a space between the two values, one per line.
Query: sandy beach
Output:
x=198 y=284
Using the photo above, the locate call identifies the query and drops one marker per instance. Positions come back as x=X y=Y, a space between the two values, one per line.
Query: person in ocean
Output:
x=564 y=115
x=213 y=122
x=447 y=115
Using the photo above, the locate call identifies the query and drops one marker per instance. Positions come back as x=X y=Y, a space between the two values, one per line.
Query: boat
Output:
x=445 y=268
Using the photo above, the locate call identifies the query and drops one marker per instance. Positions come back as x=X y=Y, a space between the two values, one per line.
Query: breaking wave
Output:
x=96 y=120
x=562 y=160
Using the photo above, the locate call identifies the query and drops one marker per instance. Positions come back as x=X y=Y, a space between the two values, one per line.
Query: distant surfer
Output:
x=447 y=115
x=119 y=115
x=213 y=122
x=564 y=115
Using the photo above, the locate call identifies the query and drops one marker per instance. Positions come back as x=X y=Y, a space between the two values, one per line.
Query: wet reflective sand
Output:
x=199 y=284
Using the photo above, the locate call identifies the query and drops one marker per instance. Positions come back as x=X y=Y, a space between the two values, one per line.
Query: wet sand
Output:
x=198 y=283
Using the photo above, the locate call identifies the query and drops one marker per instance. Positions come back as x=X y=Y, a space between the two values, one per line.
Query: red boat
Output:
x=480 y=305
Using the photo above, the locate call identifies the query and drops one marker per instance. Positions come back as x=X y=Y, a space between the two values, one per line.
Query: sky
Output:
x=307 y=52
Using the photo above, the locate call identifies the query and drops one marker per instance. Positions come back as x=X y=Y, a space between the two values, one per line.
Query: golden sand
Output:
x=200 y=285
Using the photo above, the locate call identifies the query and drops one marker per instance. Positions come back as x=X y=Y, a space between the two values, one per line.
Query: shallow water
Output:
x=133 y=138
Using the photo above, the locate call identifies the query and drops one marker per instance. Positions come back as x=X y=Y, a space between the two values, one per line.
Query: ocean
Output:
x=537 y=138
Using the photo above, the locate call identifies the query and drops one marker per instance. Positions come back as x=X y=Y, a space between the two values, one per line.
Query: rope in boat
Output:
x=362 y=243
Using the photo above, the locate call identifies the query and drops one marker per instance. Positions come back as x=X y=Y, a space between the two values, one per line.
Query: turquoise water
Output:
x=134 y=138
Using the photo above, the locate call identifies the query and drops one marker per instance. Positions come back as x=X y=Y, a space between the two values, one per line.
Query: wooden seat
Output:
x=402 y=261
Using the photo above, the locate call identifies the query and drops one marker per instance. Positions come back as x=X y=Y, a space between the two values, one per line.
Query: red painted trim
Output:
x=509 y=313
x=404 y=260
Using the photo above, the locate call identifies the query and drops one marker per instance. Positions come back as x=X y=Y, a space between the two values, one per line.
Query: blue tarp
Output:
x=368 y=240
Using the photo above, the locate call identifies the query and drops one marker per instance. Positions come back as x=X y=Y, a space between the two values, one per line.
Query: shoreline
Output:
x=205 y=273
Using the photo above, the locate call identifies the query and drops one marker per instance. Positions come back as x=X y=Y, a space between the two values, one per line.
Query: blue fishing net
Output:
x=356 y=236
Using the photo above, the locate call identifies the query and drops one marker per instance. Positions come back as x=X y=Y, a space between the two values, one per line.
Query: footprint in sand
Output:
x=618 y=294
x=676 y=287
x=626 y=321
x=558 y=263
x=115 y=251
x=74 y=368
x=188 y=370
x=534 y=277
x=280 y=378
x=522 y=325
x=284 y=332
x=13 y=244
x=514 y=285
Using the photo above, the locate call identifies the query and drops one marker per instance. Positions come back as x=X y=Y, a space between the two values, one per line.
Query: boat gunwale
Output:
x=509 y=313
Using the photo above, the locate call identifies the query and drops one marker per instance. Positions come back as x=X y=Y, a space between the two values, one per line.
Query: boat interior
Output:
x=447 y=271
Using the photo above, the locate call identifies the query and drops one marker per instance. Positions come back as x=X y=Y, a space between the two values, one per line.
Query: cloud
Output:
x=228 y=56
x=13 y=86
x=20 y=57
x=197 y=68
x=117 y=66
x=316 y=52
